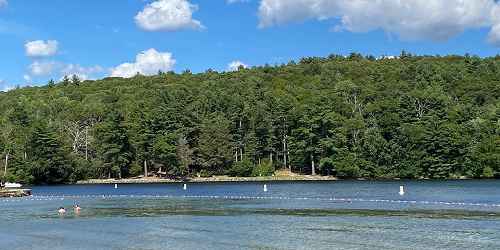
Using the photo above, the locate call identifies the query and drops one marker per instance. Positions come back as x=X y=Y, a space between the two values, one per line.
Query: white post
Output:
x=401 y=190
x=265 y=187
x=185 y=186
x=116 y=186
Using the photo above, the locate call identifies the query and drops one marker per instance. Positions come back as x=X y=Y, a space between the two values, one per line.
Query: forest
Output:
x=353 y=116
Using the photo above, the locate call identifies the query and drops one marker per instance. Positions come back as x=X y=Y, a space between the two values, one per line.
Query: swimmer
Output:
x=61 y=210
x=77 y=208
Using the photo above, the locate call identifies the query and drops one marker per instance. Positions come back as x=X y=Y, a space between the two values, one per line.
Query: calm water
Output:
x=333 y=215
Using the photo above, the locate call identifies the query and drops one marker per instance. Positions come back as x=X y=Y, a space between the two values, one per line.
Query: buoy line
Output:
x=243 y=197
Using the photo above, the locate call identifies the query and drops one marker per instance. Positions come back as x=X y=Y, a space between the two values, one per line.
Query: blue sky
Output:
x=40 y=40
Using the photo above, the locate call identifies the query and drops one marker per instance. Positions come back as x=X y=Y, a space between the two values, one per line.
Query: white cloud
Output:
x=235 y=65
x=59 y=69
x=410 y=19
x=494 y=36
x=6 y=88
x=3 y=3
x=148 y=62
x=41 y=48
x=168 y=15
x=42 y=68
x=84 y=73
x=27 y=78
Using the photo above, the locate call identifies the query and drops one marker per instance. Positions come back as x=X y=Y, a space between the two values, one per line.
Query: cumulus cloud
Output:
x=83 y=73
x=59 y=69
x=494 y=36
x=27 y=78
x=3 y=3
x=235 y=65
x=6 y=88
x=42 y=68
x=168 y=15
x=410 y=19
x=148 y=62
x=41 y=48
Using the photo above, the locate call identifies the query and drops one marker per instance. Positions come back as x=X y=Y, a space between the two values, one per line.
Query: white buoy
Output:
x=265 y=187
x=116 y=186
x=401 y=190
x=185 y=187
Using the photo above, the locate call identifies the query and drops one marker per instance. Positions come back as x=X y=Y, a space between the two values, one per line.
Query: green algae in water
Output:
x=194 y=207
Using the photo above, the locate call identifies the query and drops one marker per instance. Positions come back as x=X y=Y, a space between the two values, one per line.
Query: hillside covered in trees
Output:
x=408 y=117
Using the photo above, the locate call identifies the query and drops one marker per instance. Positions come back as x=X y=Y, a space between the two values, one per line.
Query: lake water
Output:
x=318 y=215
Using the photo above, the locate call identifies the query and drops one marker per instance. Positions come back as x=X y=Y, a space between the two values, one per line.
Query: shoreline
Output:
x=220 y=179
x=214 y=179
x=14 y=193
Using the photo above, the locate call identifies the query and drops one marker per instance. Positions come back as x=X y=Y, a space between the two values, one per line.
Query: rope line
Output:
x=225 y=197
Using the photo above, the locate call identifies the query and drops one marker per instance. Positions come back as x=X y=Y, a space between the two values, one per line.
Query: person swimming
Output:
x=61 y=210
x=77 y=208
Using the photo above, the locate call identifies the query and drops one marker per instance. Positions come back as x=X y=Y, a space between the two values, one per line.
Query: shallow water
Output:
x=322 y=215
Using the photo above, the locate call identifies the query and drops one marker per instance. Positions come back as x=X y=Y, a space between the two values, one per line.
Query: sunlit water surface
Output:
x=321 y=215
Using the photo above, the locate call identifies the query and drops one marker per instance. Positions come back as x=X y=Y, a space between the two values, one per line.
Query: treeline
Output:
x=355 y=116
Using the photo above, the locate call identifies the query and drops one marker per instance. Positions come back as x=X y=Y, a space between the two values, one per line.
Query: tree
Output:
x=50 y=163
x=75 y=80
x=114 y=146
x=143 y=137
x=51 y=83
x=411 y=117
x=65 y=81
x=165 y=152
x=215 y=143
x=184 y=156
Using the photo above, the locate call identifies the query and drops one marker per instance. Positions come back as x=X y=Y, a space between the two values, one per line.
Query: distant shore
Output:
x=9 y=193
x=209 y=179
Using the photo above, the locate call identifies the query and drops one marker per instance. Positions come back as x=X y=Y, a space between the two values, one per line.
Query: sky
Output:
x=43 y=40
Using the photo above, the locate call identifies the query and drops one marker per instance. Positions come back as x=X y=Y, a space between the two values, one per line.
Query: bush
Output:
x=204 y=173
x=136 y=169
x=327 y=166
x=264 y=169
x=348 y=166
x=241 y=169
x=82 y=169
x=20 y=176
x=488 y=172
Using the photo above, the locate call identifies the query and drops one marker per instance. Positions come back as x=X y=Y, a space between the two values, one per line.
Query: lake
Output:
x=297 y=215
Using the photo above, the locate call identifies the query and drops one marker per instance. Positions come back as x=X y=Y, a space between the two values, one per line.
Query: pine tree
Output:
x=75 y=80
x=215 y=144
x=49 y=161
x=114 y=146
x=65 y=81
x=143 y=138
